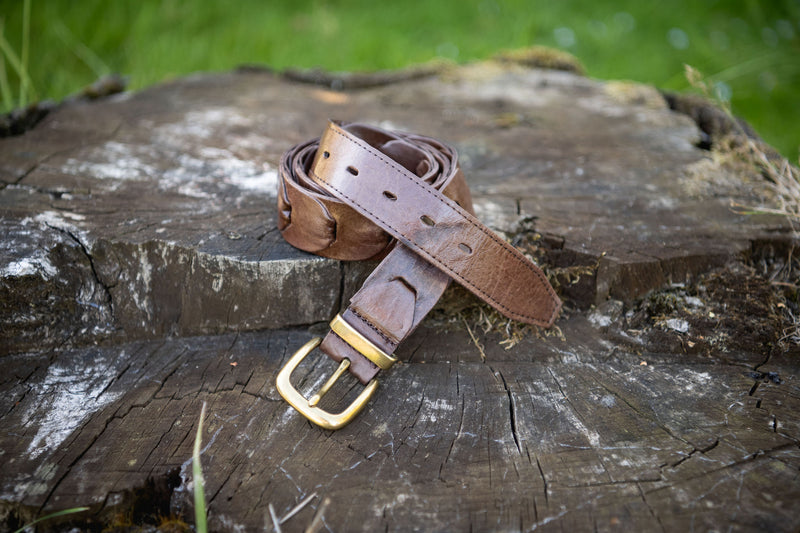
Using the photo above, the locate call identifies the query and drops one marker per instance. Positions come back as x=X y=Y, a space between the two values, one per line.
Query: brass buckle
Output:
x=308 y=407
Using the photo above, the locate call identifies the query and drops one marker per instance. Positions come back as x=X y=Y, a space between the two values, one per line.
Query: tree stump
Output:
x=142 y=275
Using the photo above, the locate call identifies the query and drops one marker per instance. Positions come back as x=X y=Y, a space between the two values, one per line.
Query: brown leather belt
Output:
x=360 y=192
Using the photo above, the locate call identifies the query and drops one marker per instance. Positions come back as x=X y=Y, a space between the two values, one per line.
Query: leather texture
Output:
x=360 y=192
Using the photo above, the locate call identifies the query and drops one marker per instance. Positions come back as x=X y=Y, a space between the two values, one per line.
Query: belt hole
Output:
x=326 y=154
x=465 y=248
x=353 y=171
x=390 y=195
x=428 y=221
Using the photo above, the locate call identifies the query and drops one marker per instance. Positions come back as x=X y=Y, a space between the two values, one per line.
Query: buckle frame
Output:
x=308 y=407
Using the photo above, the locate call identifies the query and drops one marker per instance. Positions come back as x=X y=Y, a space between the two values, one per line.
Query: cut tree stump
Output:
x=142 y=275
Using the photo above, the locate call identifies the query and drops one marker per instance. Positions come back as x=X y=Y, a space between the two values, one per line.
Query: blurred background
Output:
x=748 y=49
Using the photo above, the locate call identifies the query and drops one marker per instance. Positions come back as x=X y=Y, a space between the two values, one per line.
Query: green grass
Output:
x=750 y=48
x=200 y=512
x=50 y=516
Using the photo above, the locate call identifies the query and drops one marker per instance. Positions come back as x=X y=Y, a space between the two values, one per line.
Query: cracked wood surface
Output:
x=141 y=275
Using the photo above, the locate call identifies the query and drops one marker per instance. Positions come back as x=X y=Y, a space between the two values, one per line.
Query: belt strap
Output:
x=360 y=192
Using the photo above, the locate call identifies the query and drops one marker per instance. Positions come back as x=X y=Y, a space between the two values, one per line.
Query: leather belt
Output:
x=360 y=192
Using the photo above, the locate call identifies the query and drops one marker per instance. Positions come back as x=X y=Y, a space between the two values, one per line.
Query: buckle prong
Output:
x=343 y=366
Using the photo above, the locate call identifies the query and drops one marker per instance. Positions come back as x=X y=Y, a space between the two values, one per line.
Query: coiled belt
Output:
x=360 y=192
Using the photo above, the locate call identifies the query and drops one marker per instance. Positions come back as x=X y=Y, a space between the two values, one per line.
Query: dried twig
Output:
x=316 y=523
x=474 y=340
x=275 y=522
x=299 y=507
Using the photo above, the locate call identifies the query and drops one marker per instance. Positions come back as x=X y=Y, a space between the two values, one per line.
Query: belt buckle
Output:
x=308 y=407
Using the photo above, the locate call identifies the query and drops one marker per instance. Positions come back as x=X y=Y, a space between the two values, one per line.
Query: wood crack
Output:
x=755 y=456
x=511 y=409
x=106 y=290
x=650 y=509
